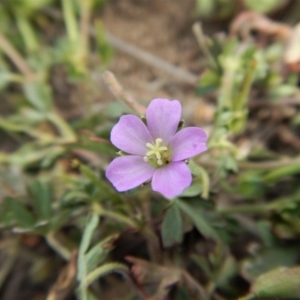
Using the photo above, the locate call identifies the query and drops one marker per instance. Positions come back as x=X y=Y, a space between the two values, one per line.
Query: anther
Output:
x=158 y=141
x=150 y=146
x=156 y=150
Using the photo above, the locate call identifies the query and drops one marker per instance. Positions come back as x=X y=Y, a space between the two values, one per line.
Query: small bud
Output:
x=180 y=124
x=144 y=120
x=159 y=162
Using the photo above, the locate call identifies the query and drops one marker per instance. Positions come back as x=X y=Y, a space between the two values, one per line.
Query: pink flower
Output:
x=155 y=151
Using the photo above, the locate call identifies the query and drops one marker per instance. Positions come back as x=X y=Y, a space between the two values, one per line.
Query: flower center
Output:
x=158 y=155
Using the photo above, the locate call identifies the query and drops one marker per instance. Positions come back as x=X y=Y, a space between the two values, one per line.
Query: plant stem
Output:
x=119 y=92
x=198 y=32
x=55 y=244
x=28 y=35
x=63 y=127
x=70 y=21
x=15 y=57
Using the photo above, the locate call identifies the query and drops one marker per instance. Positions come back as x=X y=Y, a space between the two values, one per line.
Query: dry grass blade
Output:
x=116 y=88
x=249 y=21
x=65 y=281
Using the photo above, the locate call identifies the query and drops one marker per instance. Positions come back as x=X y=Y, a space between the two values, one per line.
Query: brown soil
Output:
x=164 y=29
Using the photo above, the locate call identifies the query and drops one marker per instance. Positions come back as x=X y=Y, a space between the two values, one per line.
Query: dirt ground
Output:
x=164 y=29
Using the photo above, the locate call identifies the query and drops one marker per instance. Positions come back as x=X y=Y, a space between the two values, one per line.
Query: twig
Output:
x=197 y=29
x=247 y=21
x=150 y=59
x=119 y=92
x=65 y=281
x=15 y=57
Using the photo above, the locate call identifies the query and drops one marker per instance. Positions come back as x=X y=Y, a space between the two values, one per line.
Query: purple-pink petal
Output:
x=128 y=172
x=163 y=117
x=187 y=143
x=130 y=135
x=172 y=179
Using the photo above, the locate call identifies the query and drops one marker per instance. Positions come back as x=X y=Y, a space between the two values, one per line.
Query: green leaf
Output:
x=99 y=252
x=172 y=226
x=268 y=259
x=104 y=49
x=88 y=233
x=280 y=282
x=84 y=245
x=282 y=172
x=227 y=164
x=102 y=186
x=41 y=197
x=193 y=190
x=104 y=270
x=209 y=82
x=22 y=216
x=198 y=219
x=39 y=95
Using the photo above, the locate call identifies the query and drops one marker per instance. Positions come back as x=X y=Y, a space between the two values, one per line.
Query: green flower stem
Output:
x=201 y=174
x=241 y=98
x=63 y=127
x=14 y=77
x=283 y=171
x=202 y=43
x=86 y=6
x=42 y=137
x=28 y=35
x=56 y=245
x=70 y=21
x=97 y=208
x=226 y=91
x=15 y=57
x=104 y=270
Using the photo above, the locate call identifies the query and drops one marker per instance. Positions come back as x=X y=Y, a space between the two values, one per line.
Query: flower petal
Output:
x=172 y=179
x=163 y=117
x=128 y=172
x=130 y=135
x=187 y=143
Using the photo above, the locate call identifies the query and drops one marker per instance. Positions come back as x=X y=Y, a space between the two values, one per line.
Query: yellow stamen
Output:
x=156 y=149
